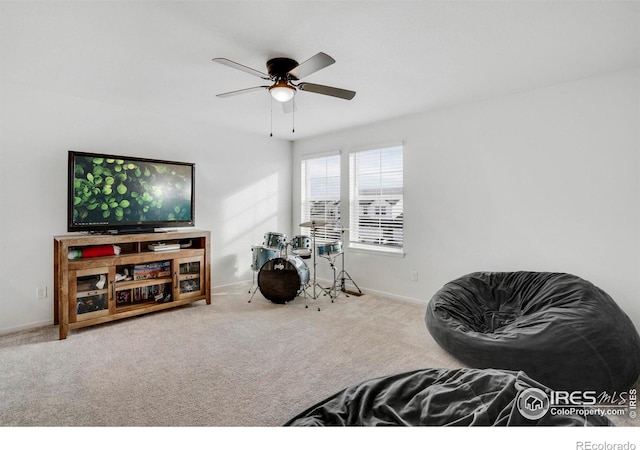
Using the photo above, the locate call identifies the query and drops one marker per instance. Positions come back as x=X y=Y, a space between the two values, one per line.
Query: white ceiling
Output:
x=401 y=57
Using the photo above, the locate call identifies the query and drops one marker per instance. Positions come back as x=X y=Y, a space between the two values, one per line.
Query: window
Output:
x=376 y=194
x=320 y=195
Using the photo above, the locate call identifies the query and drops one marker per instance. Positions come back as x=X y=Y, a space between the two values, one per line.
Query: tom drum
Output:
x=301 y=246
x=330 y=249
x=260 y=255
x=274 y=240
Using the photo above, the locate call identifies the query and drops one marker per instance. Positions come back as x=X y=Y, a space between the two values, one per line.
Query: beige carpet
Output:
x=232 y=363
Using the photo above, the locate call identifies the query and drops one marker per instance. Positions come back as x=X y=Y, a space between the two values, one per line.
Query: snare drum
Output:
x=260 y=255
x=281 y=279
x=301 y=246
x=330 y=249
x=274 y=240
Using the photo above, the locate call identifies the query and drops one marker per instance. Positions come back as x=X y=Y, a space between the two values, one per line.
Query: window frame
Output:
x=322 y=234
x=356 y=213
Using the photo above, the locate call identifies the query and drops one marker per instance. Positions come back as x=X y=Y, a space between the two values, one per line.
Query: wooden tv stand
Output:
x=100 y=289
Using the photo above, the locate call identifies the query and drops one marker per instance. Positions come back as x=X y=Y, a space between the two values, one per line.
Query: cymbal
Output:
x=315 y=223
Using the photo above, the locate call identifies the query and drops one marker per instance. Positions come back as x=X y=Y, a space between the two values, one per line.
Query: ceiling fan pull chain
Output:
x=293 y=117
x=271 y=132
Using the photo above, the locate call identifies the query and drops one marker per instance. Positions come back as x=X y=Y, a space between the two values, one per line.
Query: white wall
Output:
x=545 y=180
x=243 y=185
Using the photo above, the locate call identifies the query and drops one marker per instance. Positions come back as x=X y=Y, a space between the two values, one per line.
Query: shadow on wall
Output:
x=246 y=216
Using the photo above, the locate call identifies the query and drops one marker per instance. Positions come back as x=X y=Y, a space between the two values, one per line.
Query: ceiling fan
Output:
x=284 y=74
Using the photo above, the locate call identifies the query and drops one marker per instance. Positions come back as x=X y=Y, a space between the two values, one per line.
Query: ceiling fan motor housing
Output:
x=279 y=68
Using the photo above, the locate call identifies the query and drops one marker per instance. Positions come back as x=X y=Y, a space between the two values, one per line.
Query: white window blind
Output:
x=376 y=194
x=320 y=196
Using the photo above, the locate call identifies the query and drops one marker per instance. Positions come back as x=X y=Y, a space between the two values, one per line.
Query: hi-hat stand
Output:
x=331 y=291
x=344 y=275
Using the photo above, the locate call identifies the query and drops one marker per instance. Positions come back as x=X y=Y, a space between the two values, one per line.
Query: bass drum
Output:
x=281 y=279
x=301 y=267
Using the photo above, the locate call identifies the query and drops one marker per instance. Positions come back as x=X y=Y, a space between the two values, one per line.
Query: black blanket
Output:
x=437 y=397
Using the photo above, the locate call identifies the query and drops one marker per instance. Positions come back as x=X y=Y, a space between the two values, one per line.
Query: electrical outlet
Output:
x=41 y=292
x=414 y=276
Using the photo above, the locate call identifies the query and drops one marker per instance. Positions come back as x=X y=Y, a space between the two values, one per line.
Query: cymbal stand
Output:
x=344 y=275
x=254 y=293
x=253 y=280
x=331 y=292
x=313 y=295
x=252 y=283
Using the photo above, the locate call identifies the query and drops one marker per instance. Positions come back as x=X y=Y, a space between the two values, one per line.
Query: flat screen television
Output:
x=124 y=194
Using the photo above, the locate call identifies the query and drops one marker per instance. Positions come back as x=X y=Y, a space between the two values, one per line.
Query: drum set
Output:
x=283 y=275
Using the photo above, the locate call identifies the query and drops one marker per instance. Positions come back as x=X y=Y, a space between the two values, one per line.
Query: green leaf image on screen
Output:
x=116 y=191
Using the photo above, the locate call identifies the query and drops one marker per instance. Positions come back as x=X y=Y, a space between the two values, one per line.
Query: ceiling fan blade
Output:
x=327 y=90
x=235 y=65
x=311 y=65
x=289 y=107
x=242 y=91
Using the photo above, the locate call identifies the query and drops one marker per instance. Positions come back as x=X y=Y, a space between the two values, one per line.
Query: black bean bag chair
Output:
x=559 y=329
x=443 y=397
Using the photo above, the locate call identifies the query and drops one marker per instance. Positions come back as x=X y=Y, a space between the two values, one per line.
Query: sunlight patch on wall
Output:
x=249 y=214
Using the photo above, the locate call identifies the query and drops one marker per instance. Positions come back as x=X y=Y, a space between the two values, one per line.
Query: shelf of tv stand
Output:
x=149 y=305
x=133 y=258
x=70 y=276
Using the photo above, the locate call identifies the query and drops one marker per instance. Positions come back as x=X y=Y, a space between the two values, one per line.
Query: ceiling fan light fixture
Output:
x=282 y=92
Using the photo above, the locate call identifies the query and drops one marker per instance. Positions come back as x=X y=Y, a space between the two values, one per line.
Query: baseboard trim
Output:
x=228 y=285
x=26 y=327
x=399 y=298
x=389 y=295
